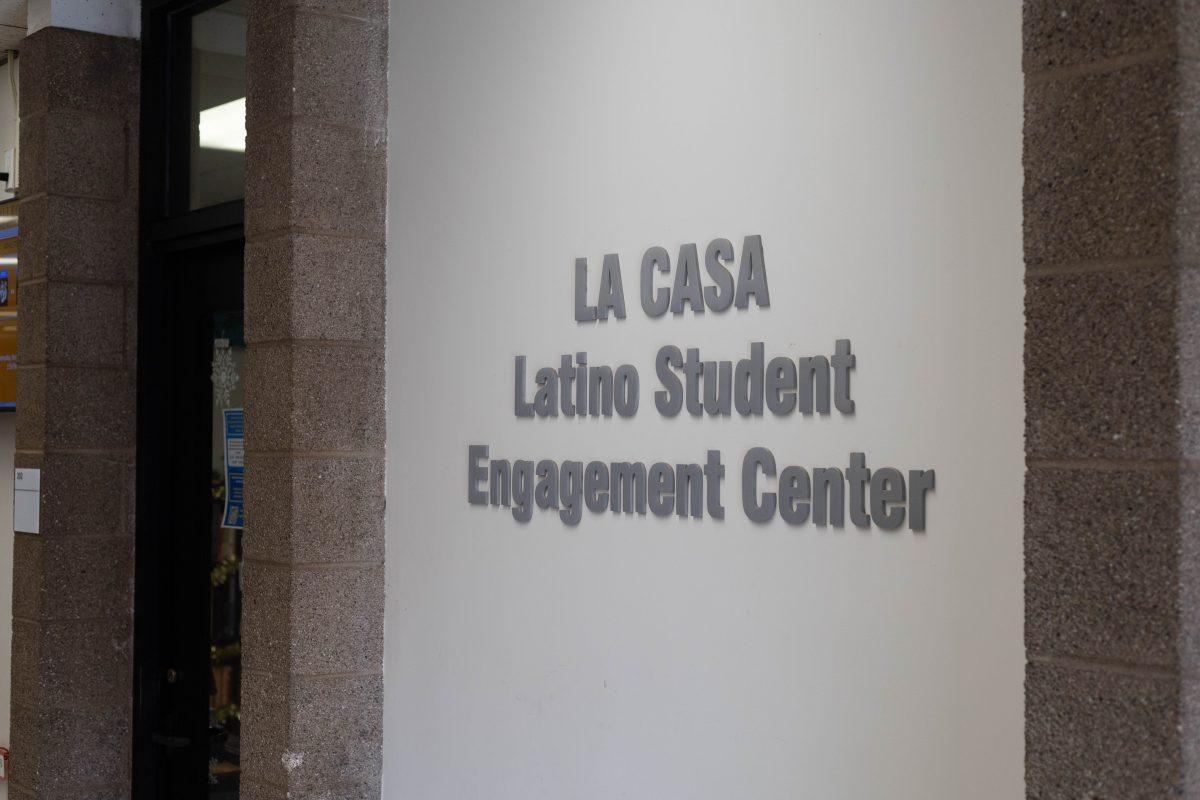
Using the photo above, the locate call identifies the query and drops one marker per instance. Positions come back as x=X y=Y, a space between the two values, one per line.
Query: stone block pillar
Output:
x=1112 y=361
x=315 y=210
x=72 y=591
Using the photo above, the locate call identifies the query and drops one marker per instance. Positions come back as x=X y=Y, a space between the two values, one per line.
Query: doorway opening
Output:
x=190 y=517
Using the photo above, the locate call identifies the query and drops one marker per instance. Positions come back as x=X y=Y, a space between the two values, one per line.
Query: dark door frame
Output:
x=171 y=280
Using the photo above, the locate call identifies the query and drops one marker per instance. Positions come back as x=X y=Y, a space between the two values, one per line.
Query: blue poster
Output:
x=235 y=469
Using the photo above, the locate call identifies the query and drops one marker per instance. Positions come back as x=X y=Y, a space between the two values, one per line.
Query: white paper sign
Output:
x=26 y=501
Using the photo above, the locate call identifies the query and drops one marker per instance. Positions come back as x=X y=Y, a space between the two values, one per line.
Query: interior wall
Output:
x=876 y=150
x=112 y=17
x=8 y=120
x=8 y=134
x=7 y=447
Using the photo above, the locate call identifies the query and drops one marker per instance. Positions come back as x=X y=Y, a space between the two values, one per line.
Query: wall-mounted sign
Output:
x=235 y=464
x=27 y=496
x=786 y=385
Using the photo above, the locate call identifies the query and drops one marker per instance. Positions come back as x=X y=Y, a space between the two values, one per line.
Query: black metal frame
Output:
x=166 y=83
x=187 y=260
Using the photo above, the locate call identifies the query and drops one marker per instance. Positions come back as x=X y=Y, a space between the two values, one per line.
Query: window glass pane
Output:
x=218 y=107
x=9 y=245
x=226 y=523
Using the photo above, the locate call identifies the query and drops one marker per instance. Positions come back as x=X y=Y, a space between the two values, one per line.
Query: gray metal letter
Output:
x=595 y=486
x=843 y=361
x=547 y=487
x=522 y=491
x=476 y=472
x=627 y=390
x=688 y=288
x=752 y=275
x=521 y=406
x=612 y=293
x=714 y=473
x=718 y=387
x=919 y=482
x=691 y=372
x=669 y=399
x=570 y=492
x=756 y=458
x=858 y=475
x=689 y=490
x=628 y=487
x=600 y=391
x=887 y=486
x=662 y=489
x=566 y=380
x=748 y=383
x=829 y=497
x=718 y=254
x=781 y=386
x=583 y=312
x=545 y=402
x=794 y=493
x=814 y=384
x=655 y=304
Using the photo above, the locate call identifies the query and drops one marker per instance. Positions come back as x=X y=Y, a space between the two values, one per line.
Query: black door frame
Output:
x=171 y=239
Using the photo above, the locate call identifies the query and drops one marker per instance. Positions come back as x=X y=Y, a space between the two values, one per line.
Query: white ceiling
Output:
x=12 y=23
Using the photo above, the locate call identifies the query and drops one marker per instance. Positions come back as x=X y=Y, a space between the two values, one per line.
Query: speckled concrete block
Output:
x=69 y=65
x=1101 y=734
x=254 y=790
x=288 y=731
x=317 y=176
x=75 y=153
x=86 y=494
x=78 y=408
x=372 y=10
x=85 y=665
x=72 y=595
x=1101 y=566
x=312 y=624
x=300 y=620
x=99 y=248
x=1189 y=583
x=74 y=577
x=1112 y=390
x=315 y=287
x=1188 y=215
x=315 y=396
x=75 y=753
x=1187 y=333
x=320 y=66
x=1101 y=377
x=27 y=576
x=71 y=323
x=1189 y=734
x=1064 y=33
x=315 y=509
x=1101 y=165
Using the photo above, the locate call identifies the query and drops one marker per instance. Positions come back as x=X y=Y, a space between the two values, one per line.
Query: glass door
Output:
x=190 y=517
x=227 y=519
x=189 y=595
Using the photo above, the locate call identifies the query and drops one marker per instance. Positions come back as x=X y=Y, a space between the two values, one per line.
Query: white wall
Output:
x=8 y=132
x=8 y=443
x=111 y=17
x=876 y=149
x=8 y=120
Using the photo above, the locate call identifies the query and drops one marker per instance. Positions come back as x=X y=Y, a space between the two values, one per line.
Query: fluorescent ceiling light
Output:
x=8 y=261
x=223 y=127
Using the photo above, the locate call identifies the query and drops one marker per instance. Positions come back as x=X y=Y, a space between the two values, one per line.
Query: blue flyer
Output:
x=235 y=469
